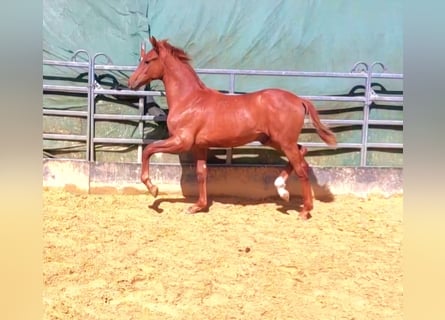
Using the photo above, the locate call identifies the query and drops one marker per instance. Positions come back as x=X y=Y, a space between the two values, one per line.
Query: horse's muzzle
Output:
x=132 y=84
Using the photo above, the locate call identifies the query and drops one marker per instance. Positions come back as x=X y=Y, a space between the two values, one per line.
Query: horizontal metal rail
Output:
x=67 y=137
x=64 y=113
x=126 y=141
x=125 y=117
x=135 y=141
x=68 y=89
x=139 y=93
x=360 y=70
x=71 y=64
x=284 y=73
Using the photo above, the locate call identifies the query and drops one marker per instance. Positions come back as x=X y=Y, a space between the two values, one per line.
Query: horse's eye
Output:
x=146 y=61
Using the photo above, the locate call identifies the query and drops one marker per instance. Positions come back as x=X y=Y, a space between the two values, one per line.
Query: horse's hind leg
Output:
x=280 y=181
x=295 y=155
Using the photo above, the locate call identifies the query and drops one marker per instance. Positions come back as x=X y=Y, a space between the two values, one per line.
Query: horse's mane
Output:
x=176 y=52
x=182 y=56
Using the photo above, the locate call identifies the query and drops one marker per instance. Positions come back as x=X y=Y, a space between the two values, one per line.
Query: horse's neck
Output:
x=180 y=81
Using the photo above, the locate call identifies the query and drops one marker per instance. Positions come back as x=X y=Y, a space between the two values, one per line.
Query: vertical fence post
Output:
x=369 y=95
x=89 y=94
x=141 y=128
x=93 y=103
x=91 y=110
x=229 y=151
x=232 y=83
x=365 y=127
x=363 y=67
x=141 y=112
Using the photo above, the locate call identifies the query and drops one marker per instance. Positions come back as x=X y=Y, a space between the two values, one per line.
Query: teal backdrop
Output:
x=304 y=35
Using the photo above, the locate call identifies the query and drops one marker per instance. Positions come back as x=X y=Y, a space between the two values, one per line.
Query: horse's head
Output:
x=150 y=67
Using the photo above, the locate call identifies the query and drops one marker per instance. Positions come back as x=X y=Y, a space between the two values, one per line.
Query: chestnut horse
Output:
x=200 y=117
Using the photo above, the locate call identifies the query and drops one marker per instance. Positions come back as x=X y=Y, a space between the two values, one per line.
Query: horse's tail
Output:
x=323 y=131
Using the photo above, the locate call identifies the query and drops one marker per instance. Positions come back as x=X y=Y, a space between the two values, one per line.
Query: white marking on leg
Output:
x=280 y=184
x=284 y=194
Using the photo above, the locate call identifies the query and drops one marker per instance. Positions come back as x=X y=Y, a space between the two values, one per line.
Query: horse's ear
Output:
x=154 y=43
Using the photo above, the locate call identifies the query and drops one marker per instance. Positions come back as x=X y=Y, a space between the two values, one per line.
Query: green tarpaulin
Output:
x=262 y=34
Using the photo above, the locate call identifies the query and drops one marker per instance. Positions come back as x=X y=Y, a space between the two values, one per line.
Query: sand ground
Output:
x=115 y=256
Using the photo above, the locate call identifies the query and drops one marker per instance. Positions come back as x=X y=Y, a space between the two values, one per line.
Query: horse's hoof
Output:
x=305 y=215
x=284 y=194
x=193 y=209
x=154 y=191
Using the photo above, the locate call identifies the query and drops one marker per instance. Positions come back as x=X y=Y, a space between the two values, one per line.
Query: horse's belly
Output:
x=230 y=129
x=225 y=140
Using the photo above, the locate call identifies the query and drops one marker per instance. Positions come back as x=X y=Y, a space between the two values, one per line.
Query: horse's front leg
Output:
x=174 y=144
x=201 y=174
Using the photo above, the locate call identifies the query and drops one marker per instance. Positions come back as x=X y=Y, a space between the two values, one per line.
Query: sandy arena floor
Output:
x=110 y=256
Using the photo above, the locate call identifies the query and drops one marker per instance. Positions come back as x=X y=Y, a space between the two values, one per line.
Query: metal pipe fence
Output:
x=360 y=71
